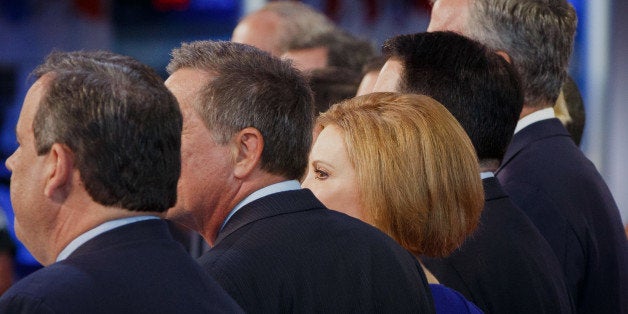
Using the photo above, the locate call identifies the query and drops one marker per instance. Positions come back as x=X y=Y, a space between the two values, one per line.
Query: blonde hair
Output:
x=418 y=174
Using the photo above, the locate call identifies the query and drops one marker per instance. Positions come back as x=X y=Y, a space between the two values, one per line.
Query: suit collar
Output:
x=534 y=132
x=268 y=206
x=94 y=232
x=152 y=229
x=493 y=189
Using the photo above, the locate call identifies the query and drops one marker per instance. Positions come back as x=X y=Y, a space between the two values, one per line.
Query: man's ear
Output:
x=504 y=55
x=60 y=168
x=249 y=144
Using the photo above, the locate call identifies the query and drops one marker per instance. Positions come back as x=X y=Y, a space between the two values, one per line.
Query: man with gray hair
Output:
x=543 y=171
x=275 y=25
x=247 y=131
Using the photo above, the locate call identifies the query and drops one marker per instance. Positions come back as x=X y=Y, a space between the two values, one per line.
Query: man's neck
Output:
x=527 y=110
x=249 y=185
x=80 y=219
x=489 y=165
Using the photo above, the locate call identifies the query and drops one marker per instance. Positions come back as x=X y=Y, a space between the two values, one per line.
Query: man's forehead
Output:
x=389 y=77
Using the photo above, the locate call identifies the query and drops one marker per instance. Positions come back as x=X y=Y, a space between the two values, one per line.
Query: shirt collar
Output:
x=536 y=116
x=486 y=174
x=102 y=228
x=271 y=189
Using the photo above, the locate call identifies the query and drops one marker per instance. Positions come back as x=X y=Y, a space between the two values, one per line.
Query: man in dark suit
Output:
x=544 y=173
x=506 y=266
x=247 y=132
x=98 y=161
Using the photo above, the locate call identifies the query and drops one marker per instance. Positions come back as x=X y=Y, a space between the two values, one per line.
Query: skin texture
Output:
x=389 y=77
x=367 y=83
x=331 y=177
x=31 y=223
x=307 y=59
x=214 y=177
x=215 y=184
x=449 y=15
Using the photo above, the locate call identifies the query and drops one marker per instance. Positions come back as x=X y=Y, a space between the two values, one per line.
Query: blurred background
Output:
x=149 y=29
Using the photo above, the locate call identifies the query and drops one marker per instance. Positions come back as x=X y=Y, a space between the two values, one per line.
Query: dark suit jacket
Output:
x=136 y=268
x=552 y=181
x=286 y=252
x=506 y=266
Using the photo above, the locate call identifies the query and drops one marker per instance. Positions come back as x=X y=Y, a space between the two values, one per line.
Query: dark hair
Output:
x=120 y=121
x=250 y=88
x=478 y=86
x=332 y=85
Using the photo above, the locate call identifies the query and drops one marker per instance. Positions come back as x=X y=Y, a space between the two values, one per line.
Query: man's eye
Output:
x=321 y=174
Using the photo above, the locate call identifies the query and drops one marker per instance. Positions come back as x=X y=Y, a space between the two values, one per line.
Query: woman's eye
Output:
x=320 y=174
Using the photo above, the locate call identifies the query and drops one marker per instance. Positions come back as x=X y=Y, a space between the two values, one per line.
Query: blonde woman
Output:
x=403 y=164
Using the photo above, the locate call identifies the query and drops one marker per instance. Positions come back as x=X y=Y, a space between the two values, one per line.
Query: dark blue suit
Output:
x=136 y=268
x=287 y=253
x=552 y=181
x=505 y=266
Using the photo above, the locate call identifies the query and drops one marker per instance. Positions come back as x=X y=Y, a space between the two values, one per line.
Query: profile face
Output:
x=205 y=165
x=28 y=174
x=330 y=175
x=450 y=15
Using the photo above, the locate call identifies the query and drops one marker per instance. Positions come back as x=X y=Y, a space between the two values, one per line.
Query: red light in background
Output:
x=171 y=5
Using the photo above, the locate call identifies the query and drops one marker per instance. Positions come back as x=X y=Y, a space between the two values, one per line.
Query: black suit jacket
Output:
x=286 y=252
x=506 y=266
x=136 y=268
x=552 y=181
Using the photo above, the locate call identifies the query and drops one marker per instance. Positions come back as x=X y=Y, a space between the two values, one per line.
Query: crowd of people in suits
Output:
x=322 y=176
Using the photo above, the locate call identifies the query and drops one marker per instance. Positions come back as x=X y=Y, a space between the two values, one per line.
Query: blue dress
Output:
x=450 y=301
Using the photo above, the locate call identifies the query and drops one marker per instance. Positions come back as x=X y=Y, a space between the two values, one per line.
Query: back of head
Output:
x=121 y=123
x=331 y=85
x=425 y=195
x=344 y=50
x=297 y=20
x=250 y=88
x=538 y=36
x=478 y=86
